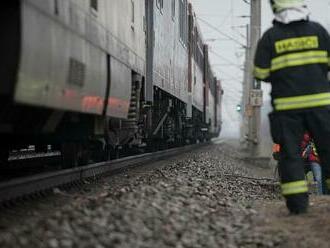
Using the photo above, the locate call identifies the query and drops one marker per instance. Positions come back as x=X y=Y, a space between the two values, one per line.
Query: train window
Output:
x=198 y=52
x=132 y=12
x=183 y=9
x=94 y=4
x=173 y=9
x=160 y=4
x=186 y=22
x=56 y=10
x=181 y=18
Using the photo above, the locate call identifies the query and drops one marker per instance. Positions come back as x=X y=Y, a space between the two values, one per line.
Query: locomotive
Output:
x=99 y=78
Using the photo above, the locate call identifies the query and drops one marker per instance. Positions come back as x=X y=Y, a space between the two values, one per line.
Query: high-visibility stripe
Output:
x=295 y=44
x=296 y=187
x=328 y=183
x=261 y=73
x=301 y=58
x=329 y=61
x=299 y=102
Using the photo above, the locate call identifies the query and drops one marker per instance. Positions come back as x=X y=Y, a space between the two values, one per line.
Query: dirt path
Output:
x=273 y=219
x=308 y=230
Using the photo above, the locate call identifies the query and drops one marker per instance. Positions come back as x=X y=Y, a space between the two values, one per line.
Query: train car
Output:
x=167 y=71
x=196 y=85
x=176 y=74
x=205 y=96
x=92 y=82
x=70 y=70
x=218 y=107
x=215 y=100
x=214 y=92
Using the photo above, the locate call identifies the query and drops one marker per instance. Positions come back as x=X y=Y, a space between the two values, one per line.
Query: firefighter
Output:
x=276 y=152
x=312 y=161
x=293 y=56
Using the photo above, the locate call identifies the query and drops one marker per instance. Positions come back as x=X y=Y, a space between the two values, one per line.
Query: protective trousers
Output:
x=287 y=129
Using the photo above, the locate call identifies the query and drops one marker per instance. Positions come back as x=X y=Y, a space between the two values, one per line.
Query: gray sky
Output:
x=226 y=55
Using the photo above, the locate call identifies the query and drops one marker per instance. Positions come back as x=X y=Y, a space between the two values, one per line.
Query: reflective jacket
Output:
x=295 y=59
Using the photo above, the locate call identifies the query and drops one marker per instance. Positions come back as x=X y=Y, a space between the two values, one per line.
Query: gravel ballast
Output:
x=206 y=198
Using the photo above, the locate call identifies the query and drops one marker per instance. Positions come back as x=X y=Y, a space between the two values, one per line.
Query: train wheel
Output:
x=84 y=154
x=69 y=155
x=4 y=155
x=39 y=148
x=4 y=168
x=151 y=146
x=99 y=152
x=163 y=145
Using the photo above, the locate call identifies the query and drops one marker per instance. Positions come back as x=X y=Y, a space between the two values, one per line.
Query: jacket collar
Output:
x=292 y=15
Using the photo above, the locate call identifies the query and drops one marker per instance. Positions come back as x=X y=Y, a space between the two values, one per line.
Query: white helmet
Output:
x=279 y=5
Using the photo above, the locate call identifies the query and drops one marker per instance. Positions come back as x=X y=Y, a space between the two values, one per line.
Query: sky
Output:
x=219 y=19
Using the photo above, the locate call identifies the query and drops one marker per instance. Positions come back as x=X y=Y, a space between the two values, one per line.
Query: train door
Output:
x=190 y=56
x=149 y=5
x=107 y=92
x=10 y=26
x=206 y=84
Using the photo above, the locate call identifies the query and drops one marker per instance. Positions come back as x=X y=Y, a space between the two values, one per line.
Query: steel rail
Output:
x=20 y=187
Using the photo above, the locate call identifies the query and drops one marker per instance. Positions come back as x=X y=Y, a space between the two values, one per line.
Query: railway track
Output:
x=25 y=186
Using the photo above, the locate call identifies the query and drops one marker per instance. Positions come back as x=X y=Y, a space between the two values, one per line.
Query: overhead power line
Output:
x=220 y=32
x=229 y=76
x=225 y=59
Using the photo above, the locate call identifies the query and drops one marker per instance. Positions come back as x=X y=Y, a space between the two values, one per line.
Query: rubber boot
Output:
x=297 y=204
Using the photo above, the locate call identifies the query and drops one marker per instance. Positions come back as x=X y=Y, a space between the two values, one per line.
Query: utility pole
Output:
x=252 y=95
x=245 y=100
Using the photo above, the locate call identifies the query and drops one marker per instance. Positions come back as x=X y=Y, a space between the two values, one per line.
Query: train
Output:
x=96 y=79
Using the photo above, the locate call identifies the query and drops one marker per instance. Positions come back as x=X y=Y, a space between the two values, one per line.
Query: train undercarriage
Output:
x=83 y=138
